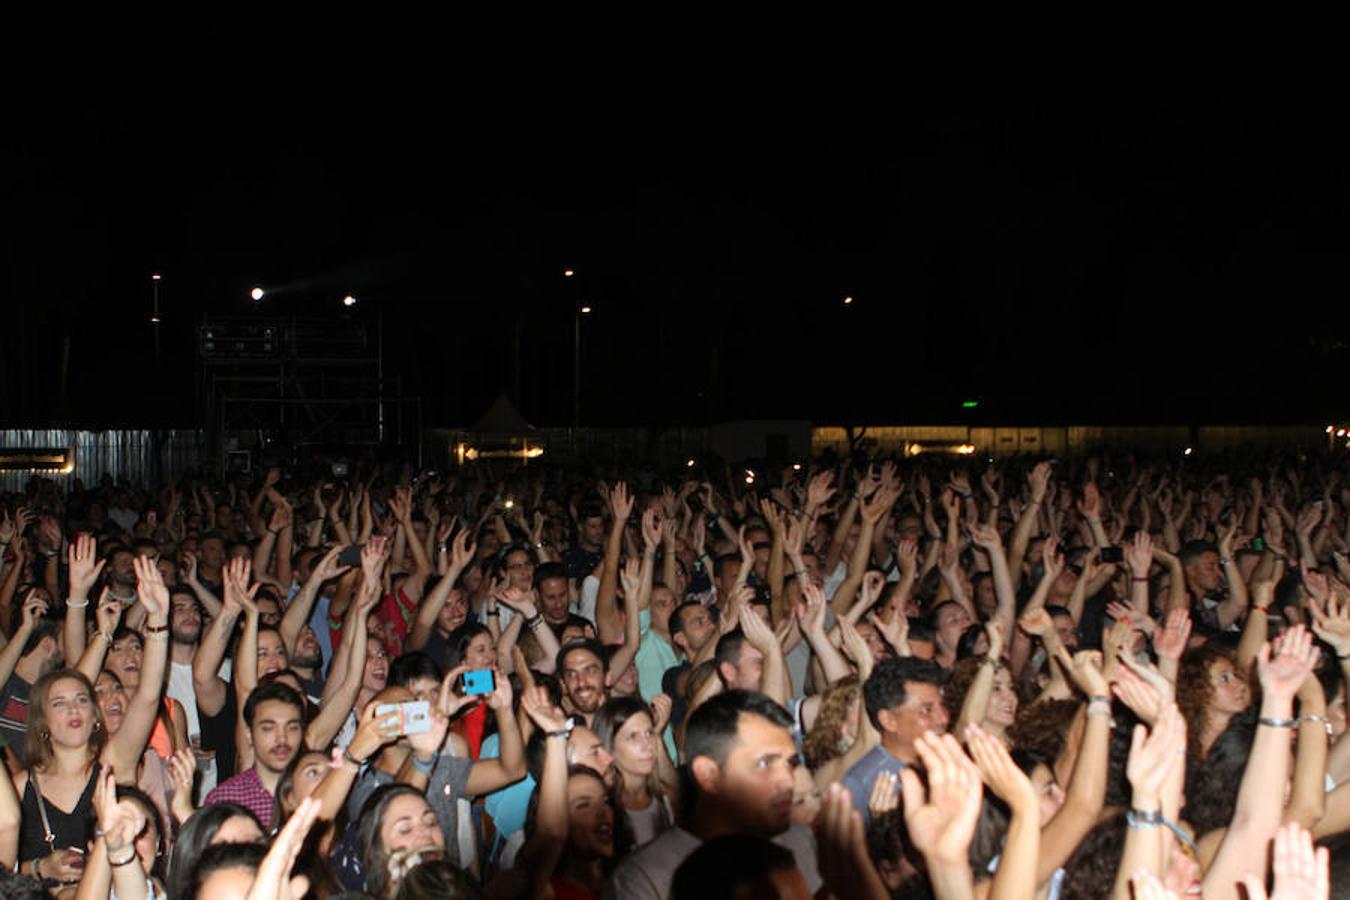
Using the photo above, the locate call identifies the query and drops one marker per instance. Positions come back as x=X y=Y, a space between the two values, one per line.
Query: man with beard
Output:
x=581 y=668
x=185 y=630
x=740 y=770
x=274 y=717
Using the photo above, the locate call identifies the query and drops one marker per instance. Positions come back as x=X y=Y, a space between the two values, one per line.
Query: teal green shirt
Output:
x=654 y=656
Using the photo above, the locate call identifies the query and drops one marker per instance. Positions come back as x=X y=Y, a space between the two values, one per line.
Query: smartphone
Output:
x=479 y=681
x=1113 y=554
x=350 y=555
x=1258 y=543
x=414 y=715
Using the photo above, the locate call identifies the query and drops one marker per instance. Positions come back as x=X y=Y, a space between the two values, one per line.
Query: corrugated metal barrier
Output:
x=143 y=457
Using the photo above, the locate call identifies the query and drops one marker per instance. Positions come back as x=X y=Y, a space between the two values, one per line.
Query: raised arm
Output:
x=1085 y=793
x=84 y=569
x=522 y=603
x=302 y=606
x=976 y=703
x=1015 y=877
x=761 y=637
x=636 y=587
x=461 y=553
x=209 y=601
x=1234 y=606
x=34 y=608
x=124 y=749
x=874 y=511
x=606 y=612
x=338 y=702
x=1037 y=482
x=488 y=775
x=1258 y=811
x=987 y=539
x=206 y=681
x=1154 y=756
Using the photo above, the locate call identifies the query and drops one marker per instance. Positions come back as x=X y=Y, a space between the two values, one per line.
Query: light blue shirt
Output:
x=860 y=778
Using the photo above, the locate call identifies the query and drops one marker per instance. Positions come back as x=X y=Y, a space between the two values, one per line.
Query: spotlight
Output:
x=568 y=273
x=796 y=467
x=155 y=277
x=1340 y=432
x=689 y=463
x=349 y=301
x=256 y=293
x=585 y=310
x=848 y=301
x=1189 y=451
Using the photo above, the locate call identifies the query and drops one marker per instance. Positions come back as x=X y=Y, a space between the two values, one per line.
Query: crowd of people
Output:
x=1108 y=677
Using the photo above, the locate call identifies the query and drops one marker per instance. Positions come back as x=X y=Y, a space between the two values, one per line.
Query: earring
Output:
x=97 y=724
x=46 y=736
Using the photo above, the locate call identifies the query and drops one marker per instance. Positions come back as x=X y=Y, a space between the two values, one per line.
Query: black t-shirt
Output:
x=218 y=734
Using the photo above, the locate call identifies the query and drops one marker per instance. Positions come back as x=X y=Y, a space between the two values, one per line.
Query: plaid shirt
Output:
x=246 y=790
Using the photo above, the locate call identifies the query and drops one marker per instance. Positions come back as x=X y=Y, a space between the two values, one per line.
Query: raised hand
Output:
x=661 y=705
x=651 y=529
x=238 y=594
x=1121 y=613
x=820 y=489
x=84 y=565
x=1009 y=783
x=328 y=566
x=1284 y=664
x=993 y=631
x=1331 y=622
x=895 y=632
x=941 y=819
x=182 y=771
x=34 y=608
x=985 y=536
x=274 y=880
x=1038 y=480
x=1170 y=641
x=811 y=610
x=1051 y=559
x=1153 y=755
x=121 y=821
x=373 y=555
x=539 y=707
x=844 y=862
x=1036 y=622
x=885 y=795
x=1139 y=695
x=1090 y=504
x=620 y=502
x=756 y=630
x=1139 y=554
x=1301 y=873
x=151 y=590
x=1084 y=668
x=109 y=613
x=518 y=600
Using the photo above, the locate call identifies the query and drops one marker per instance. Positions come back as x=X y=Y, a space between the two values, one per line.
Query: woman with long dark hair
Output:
x=68 y=745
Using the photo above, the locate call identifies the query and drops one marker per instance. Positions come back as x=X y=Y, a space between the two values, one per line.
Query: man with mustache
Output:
x=273 y=715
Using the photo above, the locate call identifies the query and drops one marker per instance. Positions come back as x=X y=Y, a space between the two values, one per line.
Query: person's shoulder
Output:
x=649 y=871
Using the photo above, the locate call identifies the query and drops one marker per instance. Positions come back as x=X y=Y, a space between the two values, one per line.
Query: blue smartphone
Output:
x=478 y=681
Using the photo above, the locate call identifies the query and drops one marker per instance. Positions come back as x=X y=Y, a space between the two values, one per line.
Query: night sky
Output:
x=1070 y=221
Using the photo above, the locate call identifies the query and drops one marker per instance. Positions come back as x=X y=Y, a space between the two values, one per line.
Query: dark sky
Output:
x=1070 y=221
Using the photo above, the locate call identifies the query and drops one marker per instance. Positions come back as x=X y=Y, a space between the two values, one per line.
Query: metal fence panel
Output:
x=143 y=457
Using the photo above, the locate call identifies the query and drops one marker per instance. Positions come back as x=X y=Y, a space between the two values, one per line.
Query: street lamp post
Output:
x=576 y=364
